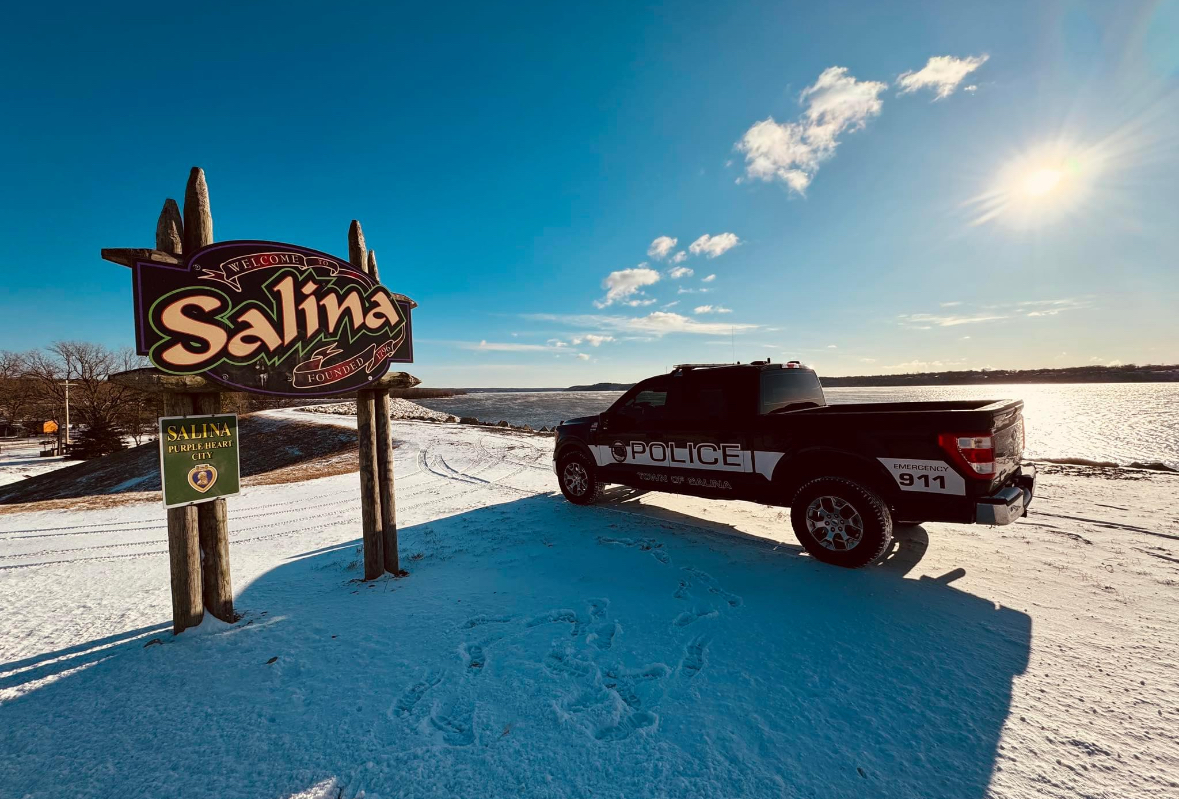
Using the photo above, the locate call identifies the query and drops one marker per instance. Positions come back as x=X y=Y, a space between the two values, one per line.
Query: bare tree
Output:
x=17 y=391
x=97 y=402
x=137 y=415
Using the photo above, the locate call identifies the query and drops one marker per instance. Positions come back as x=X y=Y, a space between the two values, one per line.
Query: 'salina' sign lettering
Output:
x=270 y=318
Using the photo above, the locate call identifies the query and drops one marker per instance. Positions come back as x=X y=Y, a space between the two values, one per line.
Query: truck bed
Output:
x=985 y=405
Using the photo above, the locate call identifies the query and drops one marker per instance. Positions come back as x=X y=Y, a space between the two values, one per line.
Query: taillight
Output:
x=974 y=452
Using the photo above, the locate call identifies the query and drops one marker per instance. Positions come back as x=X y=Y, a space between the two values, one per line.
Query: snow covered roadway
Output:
x=650 y=646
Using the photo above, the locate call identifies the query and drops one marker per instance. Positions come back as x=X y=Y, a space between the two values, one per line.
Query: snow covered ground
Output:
x=21 y=458
x=651 y=646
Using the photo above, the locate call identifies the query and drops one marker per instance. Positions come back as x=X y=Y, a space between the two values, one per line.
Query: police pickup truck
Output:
x=764 y=432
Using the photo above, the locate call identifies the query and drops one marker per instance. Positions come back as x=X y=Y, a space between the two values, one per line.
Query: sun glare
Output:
x=1040 y=186
x=1041 y=181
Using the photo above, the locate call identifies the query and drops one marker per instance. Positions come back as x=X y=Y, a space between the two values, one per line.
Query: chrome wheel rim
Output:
x=576 y=479
x=834 y=523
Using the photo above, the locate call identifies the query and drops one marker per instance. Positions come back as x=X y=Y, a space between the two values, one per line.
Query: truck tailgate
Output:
x=1008 y=433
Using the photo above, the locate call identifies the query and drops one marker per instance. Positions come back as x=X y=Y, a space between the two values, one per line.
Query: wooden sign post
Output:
x=340 y=339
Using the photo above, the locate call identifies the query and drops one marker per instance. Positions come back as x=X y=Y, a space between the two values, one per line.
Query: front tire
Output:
x=839 y=521
x=576 y=474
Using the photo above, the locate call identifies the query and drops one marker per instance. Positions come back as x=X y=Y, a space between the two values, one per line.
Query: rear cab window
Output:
x=790 y=389
x=715 y=395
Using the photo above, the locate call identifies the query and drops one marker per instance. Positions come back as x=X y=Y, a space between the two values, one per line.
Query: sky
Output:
x=583 y=193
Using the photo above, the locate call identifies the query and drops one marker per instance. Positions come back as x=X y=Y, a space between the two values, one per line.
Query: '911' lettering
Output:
x=906 y=479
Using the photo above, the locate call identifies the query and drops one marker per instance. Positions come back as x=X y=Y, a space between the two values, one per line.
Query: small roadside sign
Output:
x=199 y=458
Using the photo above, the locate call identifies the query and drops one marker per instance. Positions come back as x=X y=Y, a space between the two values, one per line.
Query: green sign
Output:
x=198 y=458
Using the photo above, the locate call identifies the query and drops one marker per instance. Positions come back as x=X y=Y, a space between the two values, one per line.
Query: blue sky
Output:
x=876 y=187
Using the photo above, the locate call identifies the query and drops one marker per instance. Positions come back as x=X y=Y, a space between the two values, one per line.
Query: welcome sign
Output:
x=270 y=318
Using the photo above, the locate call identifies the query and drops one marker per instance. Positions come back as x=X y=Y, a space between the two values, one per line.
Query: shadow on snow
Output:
x=538 y=648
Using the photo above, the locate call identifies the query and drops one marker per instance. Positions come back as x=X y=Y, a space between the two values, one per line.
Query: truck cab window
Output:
x=645 y=403
x=790 y=389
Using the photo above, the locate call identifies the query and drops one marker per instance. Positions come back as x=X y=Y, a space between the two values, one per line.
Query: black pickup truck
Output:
x=764 y=432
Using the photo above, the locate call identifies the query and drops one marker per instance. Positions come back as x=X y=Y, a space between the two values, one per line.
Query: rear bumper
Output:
x=1010 y=503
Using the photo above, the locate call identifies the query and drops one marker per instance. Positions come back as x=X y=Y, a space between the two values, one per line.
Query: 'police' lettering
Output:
x=688 y=455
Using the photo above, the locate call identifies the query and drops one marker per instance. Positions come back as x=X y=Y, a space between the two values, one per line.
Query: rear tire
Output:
x=576 y=474
x=839 y=521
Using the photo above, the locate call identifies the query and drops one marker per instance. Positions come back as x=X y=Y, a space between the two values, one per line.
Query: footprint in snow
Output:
x=473 y=655
x=603 y=635
x=413 y=694
x=479 y=621
x=638 y=689
x=694 y=656
x=645 y=544
x=455 y=726
x=559 y=616
x=597 y=608
x=629 y=725
x=694 y=615
x=709 y=582
x=563 y=664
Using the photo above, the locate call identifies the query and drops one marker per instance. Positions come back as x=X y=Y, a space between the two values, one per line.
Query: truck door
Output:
x=707 y=434
x=629 y=429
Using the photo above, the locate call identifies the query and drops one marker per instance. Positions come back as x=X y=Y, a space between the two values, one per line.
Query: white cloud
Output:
x=1034 y=308
x=625 y=282
x=791 y=152
x=702 y=309
x=678 y=258
x=556 y=342
x=953 y=304
x=971 y=89
x=680 y=271
x=711 y=309
x=922 y=321
x=832 y=347
x=641 y=303
x=671 y=304
x=708 y=279
x=581 y=356
x=713 y=246
x=661 y=246
x=656 y=323
x=494 y=346
x=683 y=290
x=942 y=74
x=594 y=340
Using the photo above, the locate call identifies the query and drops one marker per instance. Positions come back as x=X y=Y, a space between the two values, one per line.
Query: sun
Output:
x=1041 y=181
x=1041 y=186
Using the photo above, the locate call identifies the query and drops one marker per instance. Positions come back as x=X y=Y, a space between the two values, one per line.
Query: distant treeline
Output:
x=1129 y=373
x=425 y=393
x=602 y=387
